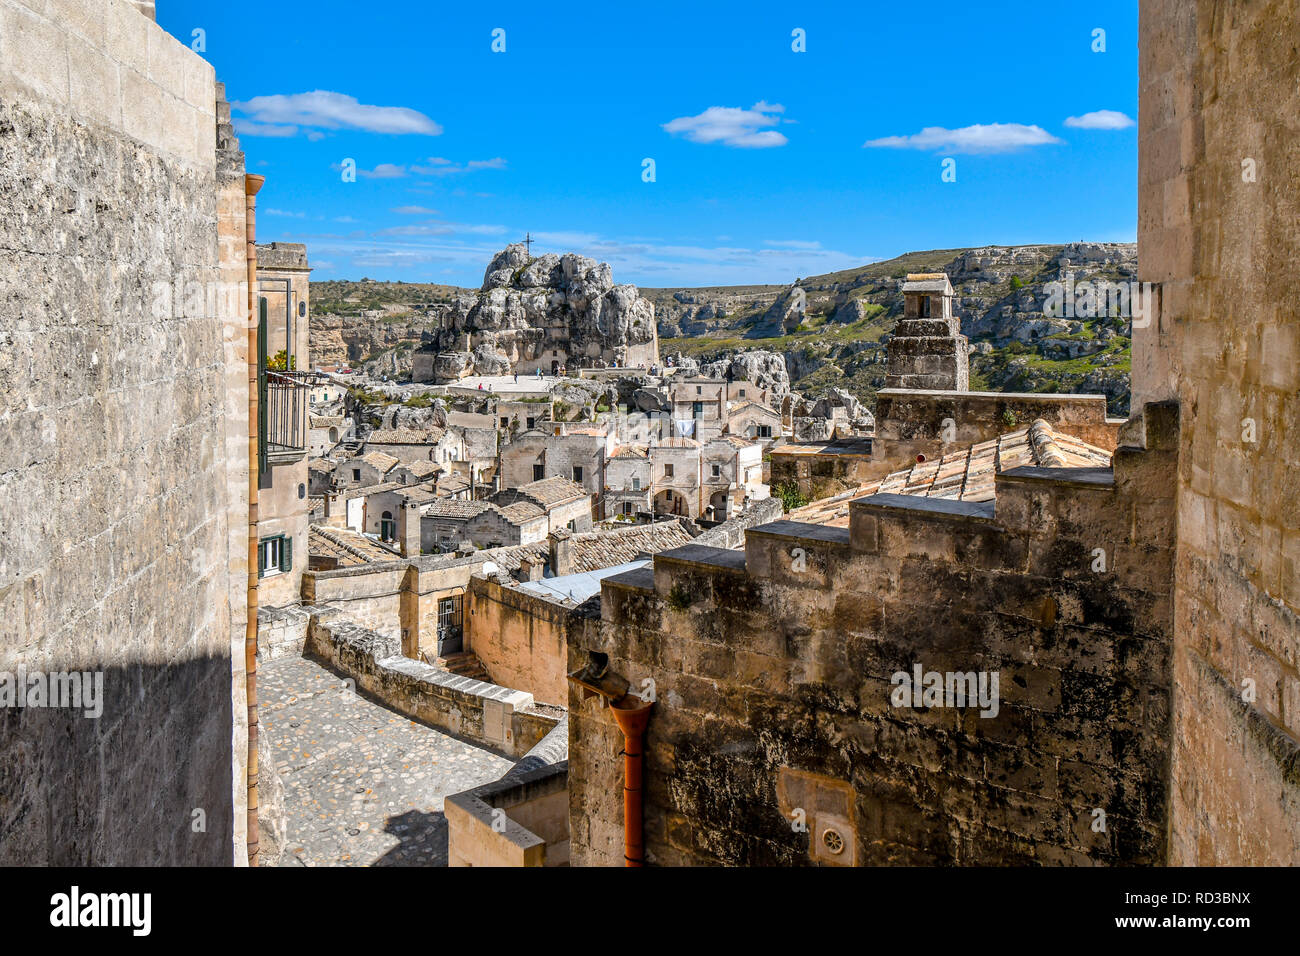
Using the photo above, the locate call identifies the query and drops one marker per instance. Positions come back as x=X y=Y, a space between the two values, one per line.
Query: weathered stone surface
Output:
x=123 y=456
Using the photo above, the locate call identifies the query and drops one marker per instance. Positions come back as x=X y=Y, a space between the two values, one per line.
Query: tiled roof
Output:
x=454 y=508
x=380 y=462
x=737 y=407
x=521 y=511
x=322 y=465
x=631 y=451
x=966 y=475
x=325 y=421
x=677 y=443
x=404 y=436
x=449 y=484
x=549 y=492
x=422 y=469
x=347 y=546
x=368 y=490
x=594 y=550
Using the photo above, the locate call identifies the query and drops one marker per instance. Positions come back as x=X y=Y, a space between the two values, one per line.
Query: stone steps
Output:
x=464 y=664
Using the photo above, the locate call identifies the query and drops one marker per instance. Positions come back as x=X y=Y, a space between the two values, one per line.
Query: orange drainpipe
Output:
x=632 y=714
x=251 y=185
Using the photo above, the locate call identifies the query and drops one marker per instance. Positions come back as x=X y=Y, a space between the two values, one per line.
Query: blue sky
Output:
x=762 y=172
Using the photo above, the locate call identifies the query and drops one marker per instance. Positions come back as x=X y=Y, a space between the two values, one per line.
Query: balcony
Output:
x=283 y=419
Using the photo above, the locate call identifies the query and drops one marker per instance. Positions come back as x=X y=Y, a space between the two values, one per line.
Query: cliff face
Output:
x=547 y=312
x=363 y=339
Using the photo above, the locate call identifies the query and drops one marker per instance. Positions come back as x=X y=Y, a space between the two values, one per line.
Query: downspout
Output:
x=251 y=185
x=632 y=714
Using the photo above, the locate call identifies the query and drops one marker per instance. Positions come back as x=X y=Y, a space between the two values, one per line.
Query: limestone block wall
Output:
x=1219 y=232
x=774 y=675
x=123 y=526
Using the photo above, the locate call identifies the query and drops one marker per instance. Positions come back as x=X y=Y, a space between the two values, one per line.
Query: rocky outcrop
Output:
x=543 y=312
x=764 y=368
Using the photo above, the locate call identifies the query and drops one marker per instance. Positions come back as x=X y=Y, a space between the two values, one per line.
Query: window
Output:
x=764 y=431
x=505 y=422
x=668 y=471
x=356 y=474
x=668 y=496
x=699 y=389
x=577 y=473
x=627 y=507
x=697 y=409
x=531 y=423
x=539 y=472
x=636 y=484
x=742 y=393
x=924 y=303
x=274 y=555
x=387 y=527
x=717 y=470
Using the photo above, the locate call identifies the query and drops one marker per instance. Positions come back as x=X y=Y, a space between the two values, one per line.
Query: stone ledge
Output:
x=918 y=506
x=803 y=531
x=1079 y=477
x=703 y=556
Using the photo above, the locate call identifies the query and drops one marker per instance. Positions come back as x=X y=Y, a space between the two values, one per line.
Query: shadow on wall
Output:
x=146 y=783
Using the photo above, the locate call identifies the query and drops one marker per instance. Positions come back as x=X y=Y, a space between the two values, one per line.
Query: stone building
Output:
x=127 y=487
x=575 y=453
x=566 y=503
x=699 y=407
x=675 y=474
x=440 y=445
x=283 y=297
x=746 y=419
x=628 y=481
x=731 y=476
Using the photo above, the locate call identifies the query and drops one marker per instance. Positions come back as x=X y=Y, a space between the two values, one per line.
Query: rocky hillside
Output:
x=831 y=329
x=827 y=331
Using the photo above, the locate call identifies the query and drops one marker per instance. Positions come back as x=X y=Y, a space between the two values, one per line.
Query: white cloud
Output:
x=383 y=171
x=1100 y=119
x=415 y=211
x=792 y=243
x=272 y=211
x=980 y=138
x=732 y=126
x=245 y=127
x=445 y=167
x=323 y=109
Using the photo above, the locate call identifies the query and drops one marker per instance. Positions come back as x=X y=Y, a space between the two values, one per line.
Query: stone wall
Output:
x=123 y=486
x=1219 y=231
x=520 y=638
x=498 y=718
x=775 y=670
x=731 y=533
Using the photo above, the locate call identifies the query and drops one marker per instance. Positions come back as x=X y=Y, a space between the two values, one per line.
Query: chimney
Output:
x=409 y=532
x=531 y=569
x=561 y=557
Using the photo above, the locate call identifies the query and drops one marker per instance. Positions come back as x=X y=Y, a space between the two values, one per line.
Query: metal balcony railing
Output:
x=285 y=400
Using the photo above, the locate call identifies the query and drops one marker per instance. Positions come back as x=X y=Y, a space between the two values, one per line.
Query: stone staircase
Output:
x=464 y=664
